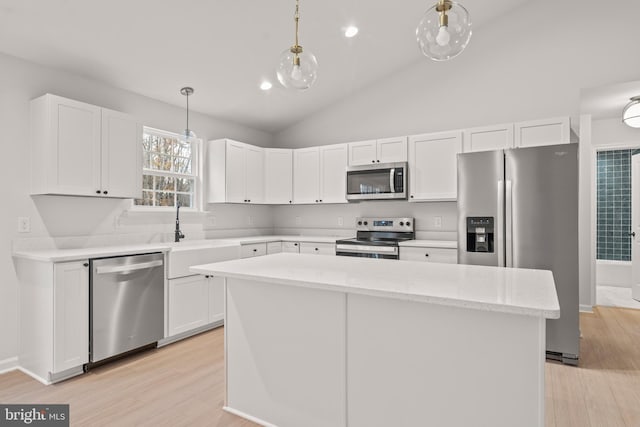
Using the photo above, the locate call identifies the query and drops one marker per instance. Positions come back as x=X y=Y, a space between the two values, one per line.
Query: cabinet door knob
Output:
x=412 y=196
x=255 y=250
x=373 y=161
x=105 y=192
x=97 y=191
x=378 y=161
x=426 y=254
x=289 y=201
x=295 y=244
x=86 y=264
x=316 y=249
x=316 y=200
x=320 y=200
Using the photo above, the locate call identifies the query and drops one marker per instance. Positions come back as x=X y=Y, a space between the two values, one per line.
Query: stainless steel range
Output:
x=377 y=238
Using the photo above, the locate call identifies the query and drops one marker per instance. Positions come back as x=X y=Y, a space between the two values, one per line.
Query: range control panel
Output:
x=385 y=224
x=480 y=234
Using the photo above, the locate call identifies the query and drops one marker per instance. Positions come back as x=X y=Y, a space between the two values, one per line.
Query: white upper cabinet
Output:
x=488 y=138
x=306 y=175
x=543 y=132
x=235 y=172
x=84 y=150
x=378 y=151
x=433 y=166
x=319 y=174
x=278 y=176
x=333 y=173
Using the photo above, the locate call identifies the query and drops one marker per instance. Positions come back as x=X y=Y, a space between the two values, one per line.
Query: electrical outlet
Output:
x=340 y=221
x=298 y=220
x=437 y=221
x=24 y=224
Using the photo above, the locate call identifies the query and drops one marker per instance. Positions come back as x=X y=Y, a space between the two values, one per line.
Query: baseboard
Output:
x=8 y=365
x=179 y=337
x=585 y=308
x=34 y=376
x=247 y=417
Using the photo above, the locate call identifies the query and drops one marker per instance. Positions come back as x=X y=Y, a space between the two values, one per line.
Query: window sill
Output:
x=163 y=209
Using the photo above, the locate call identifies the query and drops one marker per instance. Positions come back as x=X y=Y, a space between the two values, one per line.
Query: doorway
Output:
x=614 y=240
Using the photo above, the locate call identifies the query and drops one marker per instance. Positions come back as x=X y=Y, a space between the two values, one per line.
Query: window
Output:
x=169 y=170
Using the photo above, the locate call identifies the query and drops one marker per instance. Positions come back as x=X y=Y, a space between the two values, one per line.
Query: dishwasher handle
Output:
x=128 y=268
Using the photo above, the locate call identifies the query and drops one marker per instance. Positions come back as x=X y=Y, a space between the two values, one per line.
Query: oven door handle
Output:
x=366 y=249
x=392 y=176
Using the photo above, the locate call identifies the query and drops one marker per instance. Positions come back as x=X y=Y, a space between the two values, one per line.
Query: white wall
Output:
x=528 y=64
x=75 y=218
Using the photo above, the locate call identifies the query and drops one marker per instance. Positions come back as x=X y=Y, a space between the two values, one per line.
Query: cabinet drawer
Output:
x=447 y=256
x=317 y=248
x=274 y=247
x=291 y=247
x=256 y=249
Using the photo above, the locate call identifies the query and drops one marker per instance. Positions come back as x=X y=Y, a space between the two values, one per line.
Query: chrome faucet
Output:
x=178 y=233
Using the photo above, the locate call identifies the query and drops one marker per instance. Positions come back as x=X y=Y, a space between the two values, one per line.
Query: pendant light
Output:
x=631 y=113
x=297 y=68
x=187 y=133
x=444 y=30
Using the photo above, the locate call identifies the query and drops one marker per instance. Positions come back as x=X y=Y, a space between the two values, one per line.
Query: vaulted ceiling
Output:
x=225 y=48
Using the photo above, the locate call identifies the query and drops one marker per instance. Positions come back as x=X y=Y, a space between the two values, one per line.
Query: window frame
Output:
x=196 y=167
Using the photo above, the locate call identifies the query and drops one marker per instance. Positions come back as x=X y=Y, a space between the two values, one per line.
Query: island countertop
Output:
x=508 y=290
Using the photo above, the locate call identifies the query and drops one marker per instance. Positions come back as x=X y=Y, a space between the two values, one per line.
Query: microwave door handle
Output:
x=392 y=176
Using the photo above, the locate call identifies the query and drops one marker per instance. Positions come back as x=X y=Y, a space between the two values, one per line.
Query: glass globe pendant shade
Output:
x=297 y=70
x=444 y=30
x=631 y=113
x=188 y=134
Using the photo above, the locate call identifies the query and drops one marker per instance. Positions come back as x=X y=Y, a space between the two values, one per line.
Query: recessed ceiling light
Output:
x=265 y=85
x=351 y=31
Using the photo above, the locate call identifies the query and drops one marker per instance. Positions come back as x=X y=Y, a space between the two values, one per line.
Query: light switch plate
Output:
x=24 y=224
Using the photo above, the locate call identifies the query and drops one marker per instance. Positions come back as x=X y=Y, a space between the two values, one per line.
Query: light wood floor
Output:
x=183 y=384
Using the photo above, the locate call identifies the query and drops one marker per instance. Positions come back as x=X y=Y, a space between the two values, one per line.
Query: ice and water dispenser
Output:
x=480 y=234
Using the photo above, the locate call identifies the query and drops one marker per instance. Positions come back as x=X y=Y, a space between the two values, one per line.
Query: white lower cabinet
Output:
x=216 y=298
x=292 y=247
x=317 y=248
x=426 y=254
x=254 y=249
x=274 y=247
x=70 y=315
x=188 y=304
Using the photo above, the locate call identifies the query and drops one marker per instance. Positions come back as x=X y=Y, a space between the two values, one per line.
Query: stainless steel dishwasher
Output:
x=126 y=304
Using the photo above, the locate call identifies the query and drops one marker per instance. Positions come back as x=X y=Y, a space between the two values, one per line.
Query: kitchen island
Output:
x=339 y=341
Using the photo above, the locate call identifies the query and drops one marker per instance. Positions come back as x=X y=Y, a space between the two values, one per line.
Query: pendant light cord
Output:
x=297 y=18
x=187 y=131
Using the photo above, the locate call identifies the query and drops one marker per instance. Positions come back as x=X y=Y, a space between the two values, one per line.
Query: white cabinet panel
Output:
x=378 y=151
x=392 y=150
x=70 y=315
x=543 y=132
x=121 y=155
x=293 y=247
x=188 y=303
x=235 y=172
x=489 y=138
x=447 y=256
x=306 y=175
x=317 y=248
x=255 y=249
x=216 y=298
x=274 y=247
x=433 y=166
x=84 y=150
x=362 y=152
x=333 y=167
x=278 y=175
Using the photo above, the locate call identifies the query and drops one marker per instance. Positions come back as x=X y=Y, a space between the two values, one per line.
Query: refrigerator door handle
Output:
x=392 y=177
x=508 y=223
x=500 y=224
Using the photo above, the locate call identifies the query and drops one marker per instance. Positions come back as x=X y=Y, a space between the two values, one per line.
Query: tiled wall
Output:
x=614 y=205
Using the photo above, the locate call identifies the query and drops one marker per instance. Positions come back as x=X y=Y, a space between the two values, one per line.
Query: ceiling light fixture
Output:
x=631 y=113
x=351 y=31
x=298 y=68
x=265 y=85
x=444 y=30
x=187 y=133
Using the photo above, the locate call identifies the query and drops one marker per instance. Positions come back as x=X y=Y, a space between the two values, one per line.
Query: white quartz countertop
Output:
x=287 y=238
x=445 y=244
x=508 y=290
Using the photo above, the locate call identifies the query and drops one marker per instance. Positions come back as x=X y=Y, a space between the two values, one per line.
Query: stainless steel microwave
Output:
x=380 y=181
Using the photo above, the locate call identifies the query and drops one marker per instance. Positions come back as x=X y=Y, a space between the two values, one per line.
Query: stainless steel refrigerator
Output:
x=519 y=208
